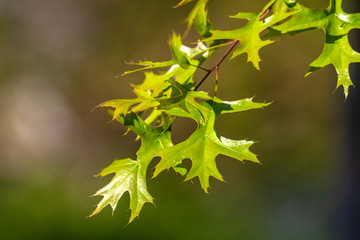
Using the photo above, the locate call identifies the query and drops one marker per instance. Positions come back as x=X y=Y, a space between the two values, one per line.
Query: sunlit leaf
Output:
x=336 y=24
x=249 y=36
x=204 y=145
x=194 y=12
x=130 y=175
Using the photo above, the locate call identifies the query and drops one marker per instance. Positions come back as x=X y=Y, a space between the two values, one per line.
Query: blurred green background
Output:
x=59 y=59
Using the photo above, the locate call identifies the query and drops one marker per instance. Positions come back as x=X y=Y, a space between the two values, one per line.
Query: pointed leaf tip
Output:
x=129 y=177
x=204 y=145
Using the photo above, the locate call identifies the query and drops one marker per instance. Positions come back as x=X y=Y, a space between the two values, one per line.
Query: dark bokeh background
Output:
x=59 y=59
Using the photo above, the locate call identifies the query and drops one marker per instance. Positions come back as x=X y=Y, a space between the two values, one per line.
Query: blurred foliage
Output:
x=59 y=60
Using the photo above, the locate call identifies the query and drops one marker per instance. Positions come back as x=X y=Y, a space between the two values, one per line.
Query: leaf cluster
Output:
x=174 y=93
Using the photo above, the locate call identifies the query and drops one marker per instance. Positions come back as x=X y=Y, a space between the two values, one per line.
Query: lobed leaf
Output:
x=178 y=57
x=123 y=106
x=130 y=175
x=168 y=95
x=249 y=38
x=204 y=145
x=194 y=12
x=336 y=24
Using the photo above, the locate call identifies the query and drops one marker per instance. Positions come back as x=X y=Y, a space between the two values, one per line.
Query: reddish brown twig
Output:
x=216 y=65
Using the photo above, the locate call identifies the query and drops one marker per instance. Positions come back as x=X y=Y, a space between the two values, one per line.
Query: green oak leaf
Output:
x=183 y=99
x=204 y=28
x=157 y=84
x=204 y=145
x=202 y=22
x=194 y=12
x=122 y=106
x=336 y=24
x=249 y=38
x=130 y=175
x=179 y=57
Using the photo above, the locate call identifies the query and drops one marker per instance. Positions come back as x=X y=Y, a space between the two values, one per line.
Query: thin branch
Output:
x=216 y=66
x=217 y=80
x=266 y=12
